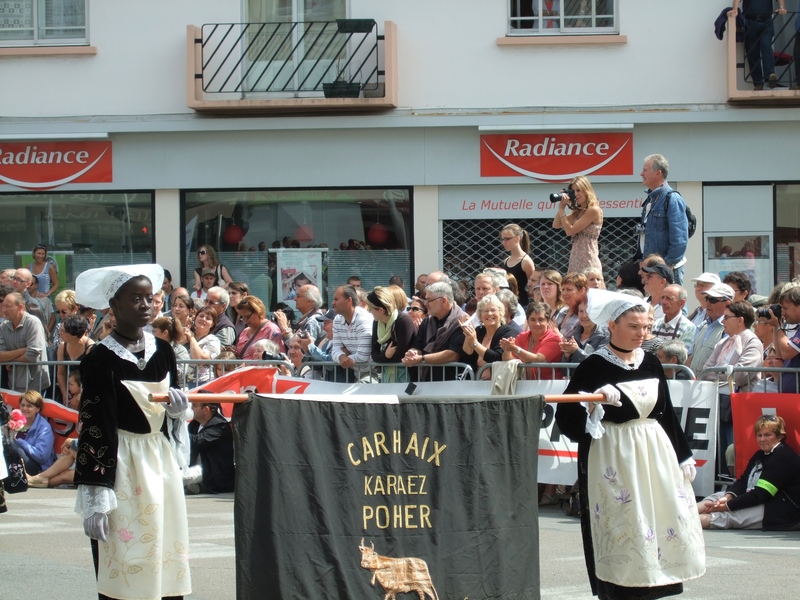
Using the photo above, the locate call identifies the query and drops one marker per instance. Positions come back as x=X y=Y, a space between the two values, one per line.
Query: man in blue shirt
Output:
x=664 y=228
x=758 y=33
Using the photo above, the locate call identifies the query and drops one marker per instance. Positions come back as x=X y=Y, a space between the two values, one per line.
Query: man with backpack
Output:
x=665 y=225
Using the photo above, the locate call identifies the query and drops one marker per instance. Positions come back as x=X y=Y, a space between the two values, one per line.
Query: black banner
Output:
x=434 y=497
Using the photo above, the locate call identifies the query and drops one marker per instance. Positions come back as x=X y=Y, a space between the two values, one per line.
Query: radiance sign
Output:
x=47 y=165
x=556 y=156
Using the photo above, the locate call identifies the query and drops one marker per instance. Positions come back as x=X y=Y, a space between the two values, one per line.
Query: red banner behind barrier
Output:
x=747 y=408
x=251 y=379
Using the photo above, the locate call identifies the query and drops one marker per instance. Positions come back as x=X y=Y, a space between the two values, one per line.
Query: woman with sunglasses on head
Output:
x=258 y=327
x=65 y=307
x=45 y=271
x=739 y=348
x=75 y=345
x=203 y=344
x=183 y=312
x=583 y=224
x=767 y=495
x=517 y=242
x=417 y=311
x=207 y=257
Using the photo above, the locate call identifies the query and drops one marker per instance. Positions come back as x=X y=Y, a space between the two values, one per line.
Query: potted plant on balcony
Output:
x=341 y=87
x=354 y=25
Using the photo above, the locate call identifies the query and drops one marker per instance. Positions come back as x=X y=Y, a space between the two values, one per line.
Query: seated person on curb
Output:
x=211 y=446
x=63 y=470
x=34 y=445
x=767 y=495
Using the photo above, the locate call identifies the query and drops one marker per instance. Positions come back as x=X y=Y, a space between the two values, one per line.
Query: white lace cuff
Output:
x=593 y=425
x=94 y=499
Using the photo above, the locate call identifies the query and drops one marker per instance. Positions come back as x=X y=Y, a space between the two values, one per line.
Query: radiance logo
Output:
x=47 y=165
x=556 y=156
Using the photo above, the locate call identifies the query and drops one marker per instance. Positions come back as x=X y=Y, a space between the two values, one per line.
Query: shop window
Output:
x=43 y=22
x=787 y=232
x=272 y=239
x=81 y=231
x=563 y=17
x=469 y=246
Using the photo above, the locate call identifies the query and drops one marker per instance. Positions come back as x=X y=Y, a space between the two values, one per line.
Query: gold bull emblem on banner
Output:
x=398 y=575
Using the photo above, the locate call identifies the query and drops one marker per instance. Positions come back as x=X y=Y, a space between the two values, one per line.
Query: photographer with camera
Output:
x=308 y=302
x=786 y=339
x=583 y=224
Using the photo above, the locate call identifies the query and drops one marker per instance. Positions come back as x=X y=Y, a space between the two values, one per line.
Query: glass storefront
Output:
x=81 y=231
x=364 y=232
x=787 y=231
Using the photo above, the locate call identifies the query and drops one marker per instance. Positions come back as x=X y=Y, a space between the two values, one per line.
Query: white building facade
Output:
x=142 y=132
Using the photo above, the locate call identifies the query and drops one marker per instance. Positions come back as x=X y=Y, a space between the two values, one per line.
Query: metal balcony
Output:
x=740 y=79
x=343 y=65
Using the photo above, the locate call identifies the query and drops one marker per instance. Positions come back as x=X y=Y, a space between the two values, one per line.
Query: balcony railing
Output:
x=336 y=65
x=745 y=85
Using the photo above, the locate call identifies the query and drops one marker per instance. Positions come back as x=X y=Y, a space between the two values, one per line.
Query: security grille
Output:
x=471 y=245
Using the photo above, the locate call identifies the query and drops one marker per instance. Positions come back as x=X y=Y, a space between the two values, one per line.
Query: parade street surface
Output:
x=44 y=554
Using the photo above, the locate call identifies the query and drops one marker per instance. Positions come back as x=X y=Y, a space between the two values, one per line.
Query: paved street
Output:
x=42 y=540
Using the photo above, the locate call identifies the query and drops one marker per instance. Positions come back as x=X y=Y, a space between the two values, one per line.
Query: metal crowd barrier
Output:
x=717 y=372
x=558 y=371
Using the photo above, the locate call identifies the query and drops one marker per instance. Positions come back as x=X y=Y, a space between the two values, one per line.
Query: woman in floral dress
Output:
x=583 y=225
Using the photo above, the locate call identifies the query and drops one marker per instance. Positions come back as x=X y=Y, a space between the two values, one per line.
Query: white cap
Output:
x=721 y=290
x=603 y=306
x=707 y=278
x=95 y=287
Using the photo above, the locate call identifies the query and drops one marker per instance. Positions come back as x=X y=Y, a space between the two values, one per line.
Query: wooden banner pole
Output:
x=239 y=398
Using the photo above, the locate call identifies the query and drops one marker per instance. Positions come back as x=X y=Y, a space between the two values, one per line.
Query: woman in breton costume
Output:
x=130 y=492
x=641 y=531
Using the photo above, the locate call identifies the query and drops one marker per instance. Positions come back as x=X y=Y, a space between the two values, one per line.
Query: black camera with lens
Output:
x=763 y=312
x=570 y=193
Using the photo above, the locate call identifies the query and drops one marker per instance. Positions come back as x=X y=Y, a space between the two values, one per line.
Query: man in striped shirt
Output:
x=352 y=332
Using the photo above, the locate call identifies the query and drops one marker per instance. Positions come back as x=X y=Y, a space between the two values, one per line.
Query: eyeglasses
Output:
x=432 y=300
x=769 y=418
x=415 y=309
x=18 y=280
x=246 y=317
x=202 y=252
x=40 y=247
x=62 y=312
x=213 y=302
x=726 y=317
x=711 y=300
x=505 y=239
x=489 y=311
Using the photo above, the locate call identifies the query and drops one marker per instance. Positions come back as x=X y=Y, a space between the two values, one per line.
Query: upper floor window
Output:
x=43 y=22
x=562 y=17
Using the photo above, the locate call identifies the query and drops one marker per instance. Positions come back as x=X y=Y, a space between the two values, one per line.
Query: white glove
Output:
x=178 y=403
x=96 y=526
x=689 y=469
x=611 y=393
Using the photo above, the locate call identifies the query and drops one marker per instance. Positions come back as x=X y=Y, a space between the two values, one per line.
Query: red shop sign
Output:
x=47 y=165
x=556 y=156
